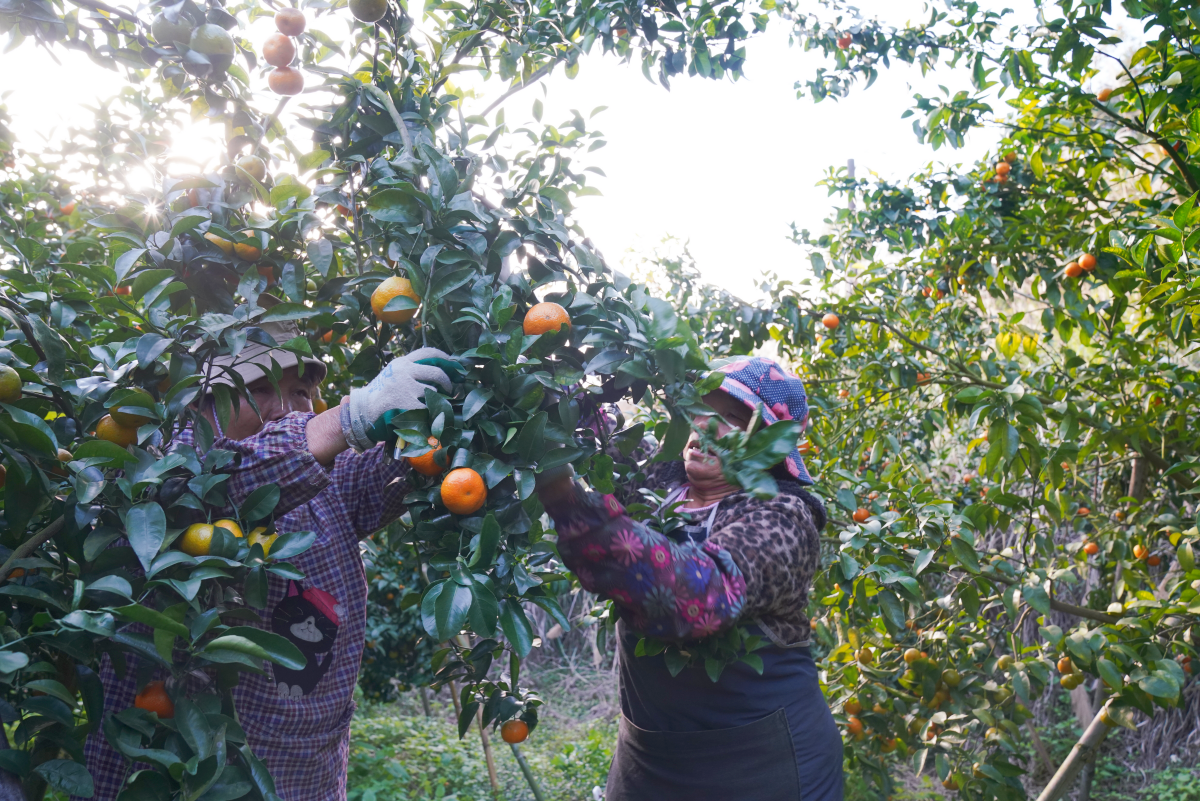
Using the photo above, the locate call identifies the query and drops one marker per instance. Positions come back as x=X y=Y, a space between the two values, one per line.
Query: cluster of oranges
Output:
x=247 y=250
x=197 y=538
x=1141 y=552
x=1003 y=168
x=463 y=490
x=1085 y=264
x=280 y=51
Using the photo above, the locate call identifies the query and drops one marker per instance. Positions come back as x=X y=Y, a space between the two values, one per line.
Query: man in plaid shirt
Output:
x=333 y=479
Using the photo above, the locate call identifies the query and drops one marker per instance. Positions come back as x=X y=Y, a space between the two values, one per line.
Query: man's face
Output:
x=295 y=395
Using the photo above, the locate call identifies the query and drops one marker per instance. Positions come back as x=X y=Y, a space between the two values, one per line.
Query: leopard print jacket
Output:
x=776 y=544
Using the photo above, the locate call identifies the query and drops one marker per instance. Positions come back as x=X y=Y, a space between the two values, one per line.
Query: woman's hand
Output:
x=555 y=485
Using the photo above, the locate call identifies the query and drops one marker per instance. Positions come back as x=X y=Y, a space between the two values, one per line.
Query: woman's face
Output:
x=706 y=467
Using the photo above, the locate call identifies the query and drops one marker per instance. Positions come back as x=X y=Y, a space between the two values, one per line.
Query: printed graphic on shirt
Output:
x=309 y=620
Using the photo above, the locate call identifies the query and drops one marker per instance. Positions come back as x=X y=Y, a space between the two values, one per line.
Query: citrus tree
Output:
x=1001 y=360
x=409 y=223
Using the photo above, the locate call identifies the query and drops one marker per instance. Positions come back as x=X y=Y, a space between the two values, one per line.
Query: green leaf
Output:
x=247 y=647
x=489 y=541
x=475 y=401
x=1109 y=672
x=965 y=554
x=516 y=627
x=453 y=605
x=678 y=431
x=260 y=503
x=280 y=650
x=67 y=776
x=292 y=544
x=1037 y=597
x=146 y=527
x=395 y=205
x=152 y=618
x=531 y=443
x=52 y=345
x=893 y=610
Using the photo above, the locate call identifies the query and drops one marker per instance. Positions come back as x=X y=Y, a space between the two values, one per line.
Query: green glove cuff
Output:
x=381 y=430
x=455 y=370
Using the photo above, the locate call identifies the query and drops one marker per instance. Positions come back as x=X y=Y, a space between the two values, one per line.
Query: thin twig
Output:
x=30 y=545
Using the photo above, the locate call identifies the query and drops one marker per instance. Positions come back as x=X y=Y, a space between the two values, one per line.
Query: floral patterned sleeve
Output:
x=667 y=589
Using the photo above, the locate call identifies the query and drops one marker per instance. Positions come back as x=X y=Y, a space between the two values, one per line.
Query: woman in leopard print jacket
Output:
x=743 y=561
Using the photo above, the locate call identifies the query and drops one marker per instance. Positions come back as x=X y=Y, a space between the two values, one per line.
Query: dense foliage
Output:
x=1005 y=432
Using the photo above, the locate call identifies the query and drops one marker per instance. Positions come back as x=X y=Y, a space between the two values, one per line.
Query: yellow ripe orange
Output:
x=514 y=731
x=852 y=707
x=253 y=166
x=320 y=406
x=1073 y=270
x=286 y=81
x=463 y=491
x=911 y=655
x=259 y=537
x=224 y=244
x=830 y=321
x=1104 y=94
x=843 y=393
x=278 y=51
x=112 y=431
x=132 y=419
x=1010 y=156
x=1083 y=511
x=545 y=317
x=392 y=288
x=1066 y=666
x=1154 y=561
x=426 y=464
x=290 y=21
x=229 y=525
x=1140 y=551
x=327 y=338
x=860 y=515
x=154 y=698
x=10 y=385
x=854 y=726
x=1088 y=262
x=197 y=539
x=247 y=252
x=1091 y=548
x=1003 y=168
x=887 y=746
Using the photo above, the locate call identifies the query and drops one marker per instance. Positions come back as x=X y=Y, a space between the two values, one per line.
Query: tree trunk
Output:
x=1082 y=753
x=487 y=752
x=425 y=701
x=1137 y=479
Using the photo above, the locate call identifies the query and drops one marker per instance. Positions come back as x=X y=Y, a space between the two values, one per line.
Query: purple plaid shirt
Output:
x=297 y=722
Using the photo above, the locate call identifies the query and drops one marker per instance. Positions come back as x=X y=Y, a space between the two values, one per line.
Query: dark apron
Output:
x=755 y=762
x=745 y=737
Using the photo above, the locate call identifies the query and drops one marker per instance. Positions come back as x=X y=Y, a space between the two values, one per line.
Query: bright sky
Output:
x=724 y=166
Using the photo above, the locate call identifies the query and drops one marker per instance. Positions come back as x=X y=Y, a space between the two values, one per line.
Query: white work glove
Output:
x=399 y=387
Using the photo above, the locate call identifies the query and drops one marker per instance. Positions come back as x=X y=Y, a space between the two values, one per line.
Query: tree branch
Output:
x=1082 y=753
x=30 y=545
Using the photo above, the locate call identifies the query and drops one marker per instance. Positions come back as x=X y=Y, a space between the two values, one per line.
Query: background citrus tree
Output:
x=1005 y=397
